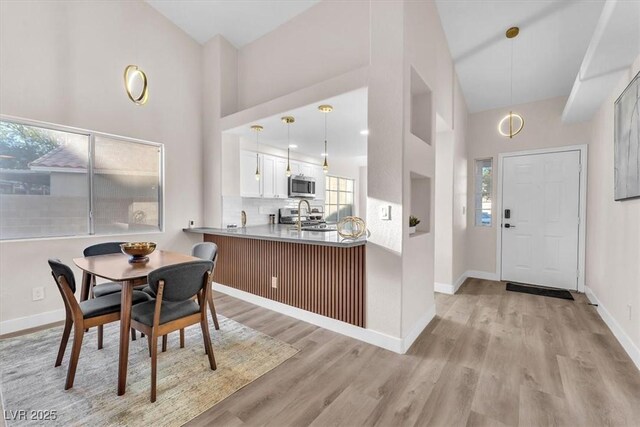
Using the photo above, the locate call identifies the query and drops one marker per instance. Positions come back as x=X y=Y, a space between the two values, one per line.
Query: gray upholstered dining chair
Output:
x=102 y=289
x=107 y=288
x=206 y=251
x=174 y=307
x=83 y=315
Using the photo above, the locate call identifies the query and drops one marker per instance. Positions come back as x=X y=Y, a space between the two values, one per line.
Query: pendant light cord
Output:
x=325 y=132
x=288 y=146
x=325 y=135
x=511 y=78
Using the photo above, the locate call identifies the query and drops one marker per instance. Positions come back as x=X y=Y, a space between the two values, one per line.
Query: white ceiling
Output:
x=554 y=36
x=239 y=21
x=613 y=48
x=344 y=124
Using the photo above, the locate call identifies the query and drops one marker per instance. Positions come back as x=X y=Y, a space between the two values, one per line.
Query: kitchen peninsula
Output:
x=317 y=271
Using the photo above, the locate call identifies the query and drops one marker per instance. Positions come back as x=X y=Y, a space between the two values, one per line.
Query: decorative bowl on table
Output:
x=138 y=251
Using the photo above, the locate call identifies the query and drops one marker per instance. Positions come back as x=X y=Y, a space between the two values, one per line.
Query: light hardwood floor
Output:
x=490 y=357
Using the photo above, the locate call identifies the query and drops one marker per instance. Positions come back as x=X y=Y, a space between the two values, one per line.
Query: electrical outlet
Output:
x=274 y=282
x=37 y=293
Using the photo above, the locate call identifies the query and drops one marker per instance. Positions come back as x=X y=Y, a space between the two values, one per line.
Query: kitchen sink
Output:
x=321 y=227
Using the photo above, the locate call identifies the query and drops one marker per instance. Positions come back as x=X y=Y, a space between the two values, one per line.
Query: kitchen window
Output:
x=339 y=198
x=57 y=181
x=483 y=192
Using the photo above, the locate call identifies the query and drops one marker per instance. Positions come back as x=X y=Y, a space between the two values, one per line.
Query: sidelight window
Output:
x=483 y=193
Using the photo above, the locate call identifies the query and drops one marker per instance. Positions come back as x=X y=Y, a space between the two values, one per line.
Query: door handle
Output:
x=509 y=226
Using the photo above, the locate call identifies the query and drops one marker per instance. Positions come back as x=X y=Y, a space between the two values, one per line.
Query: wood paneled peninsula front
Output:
x=317 y=271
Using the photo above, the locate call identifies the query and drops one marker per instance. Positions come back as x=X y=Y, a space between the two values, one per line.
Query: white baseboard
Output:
x=379 y=339
x=485 y=275
x=418 y=328
x=27 y=322
x=629 y=346
x=446 y=288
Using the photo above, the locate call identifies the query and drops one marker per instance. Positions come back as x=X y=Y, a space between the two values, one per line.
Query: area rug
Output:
x=186 y=385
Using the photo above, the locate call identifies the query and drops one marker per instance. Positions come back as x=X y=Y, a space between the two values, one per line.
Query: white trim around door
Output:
x=583 y=206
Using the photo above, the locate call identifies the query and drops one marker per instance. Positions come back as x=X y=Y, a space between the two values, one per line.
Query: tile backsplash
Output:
x=257 y=210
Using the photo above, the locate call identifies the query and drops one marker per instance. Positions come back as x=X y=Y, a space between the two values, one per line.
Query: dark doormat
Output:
x=545 y=292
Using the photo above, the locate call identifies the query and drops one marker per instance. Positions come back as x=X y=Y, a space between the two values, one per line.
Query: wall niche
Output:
x=421 y=202
x=421 y=105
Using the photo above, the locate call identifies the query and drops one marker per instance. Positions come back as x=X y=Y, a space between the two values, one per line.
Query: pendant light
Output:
x=288 y=120
x=326 y=109
x=514 y=122
x=257 y=129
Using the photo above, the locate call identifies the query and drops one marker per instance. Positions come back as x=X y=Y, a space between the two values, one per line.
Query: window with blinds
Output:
x=57 y=181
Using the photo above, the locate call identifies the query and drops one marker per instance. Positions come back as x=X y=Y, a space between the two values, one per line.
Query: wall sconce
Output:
x=136 y=85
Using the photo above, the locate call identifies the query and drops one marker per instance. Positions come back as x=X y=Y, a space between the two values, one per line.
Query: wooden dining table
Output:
x=116 y=268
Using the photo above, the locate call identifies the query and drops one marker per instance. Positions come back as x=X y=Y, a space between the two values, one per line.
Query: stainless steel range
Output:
x=311 y=221
x=290 y=216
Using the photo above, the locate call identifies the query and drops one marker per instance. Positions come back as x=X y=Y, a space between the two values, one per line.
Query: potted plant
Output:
x=413 y=222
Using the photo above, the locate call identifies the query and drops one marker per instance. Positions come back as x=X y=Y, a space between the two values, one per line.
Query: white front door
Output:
x=540 y=219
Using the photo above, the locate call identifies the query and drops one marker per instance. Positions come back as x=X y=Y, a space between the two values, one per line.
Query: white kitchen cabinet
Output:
x=268 y=176
x=295 y=167
x=273 y=183
x=319 y=176
x=281 y=179
x=305 y=169
x=249 y=185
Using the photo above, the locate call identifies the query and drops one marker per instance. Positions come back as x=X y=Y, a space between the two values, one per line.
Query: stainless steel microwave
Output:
x=301 y=186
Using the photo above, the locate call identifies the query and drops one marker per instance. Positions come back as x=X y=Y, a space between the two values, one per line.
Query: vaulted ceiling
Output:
x=554 y=36
x=240 y=22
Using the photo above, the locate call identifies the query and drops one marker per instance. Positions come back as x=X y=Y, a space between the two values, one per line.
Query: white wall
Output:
x=326 y=40
x=218 y=98
x=451 y=197
x=444 y=208
x=459 y=212
x=62 y=62
x=544 y=128
x=613 y=228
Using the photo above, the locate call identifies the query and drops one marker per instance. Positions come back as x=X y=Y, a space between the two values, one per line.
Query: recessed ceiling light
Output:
x=293 y=146
x=364 y=132
x=323 y=154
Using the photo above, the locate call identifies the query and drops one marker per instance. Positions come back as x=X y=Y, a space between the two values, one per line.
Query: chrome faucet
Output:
x=300 y=206
x=243 y=218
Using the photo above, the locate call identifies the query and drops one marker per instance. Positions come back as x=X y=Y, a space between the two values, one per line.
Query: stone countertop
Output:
x=282 y=233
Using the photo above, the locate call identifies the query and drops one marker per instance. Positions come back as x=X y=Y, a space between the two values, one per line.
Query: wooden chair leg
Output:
x=154 y=364
x=92 y=283
x=65 y=339
x=100 y=335
x=207 y=343
x=181 y=338
x=164 y=343
x=133 y=334
x=78 y=334
x=149 y=344
x=212 y=308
